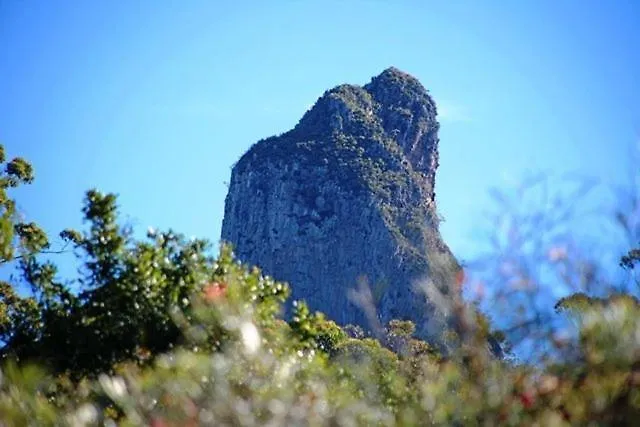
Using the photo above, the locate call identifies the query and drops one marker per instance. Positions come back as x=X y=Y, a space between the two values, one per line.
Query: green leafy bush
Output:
x=162 y=333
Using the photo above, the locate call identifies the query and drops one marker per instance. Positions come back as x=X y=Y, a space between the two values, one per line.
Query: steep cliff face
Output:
x=349 y=193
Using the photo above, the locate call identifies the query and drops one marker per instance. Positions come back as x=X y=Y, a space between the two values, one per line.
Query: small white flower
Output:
x=86 y=414
x=115 y=387
x=250 y=337
x=151 y=231
x=284 y=370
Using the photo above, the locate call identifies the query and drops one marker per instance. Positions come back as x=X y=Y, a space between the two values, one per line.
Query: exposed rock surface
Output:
x=349 y=193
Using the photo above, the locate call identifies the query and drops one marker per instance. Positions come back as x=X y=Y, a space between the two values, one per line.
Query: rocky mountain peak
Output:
x=394 y=87
x=348 y=193
x=338 y=110
x=393 y=104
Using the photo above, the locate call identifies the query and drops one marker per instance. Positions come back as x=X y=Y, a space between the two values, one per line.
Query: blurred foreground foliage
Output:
x=162 y=333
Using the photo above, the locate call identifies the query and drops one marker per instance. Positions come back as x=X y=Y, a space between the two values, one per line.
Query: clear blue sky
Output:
x=155 y=100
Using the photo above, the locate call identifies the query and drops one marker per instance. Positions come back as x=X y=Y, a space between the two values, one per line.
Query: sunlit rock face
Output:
x=348 y=193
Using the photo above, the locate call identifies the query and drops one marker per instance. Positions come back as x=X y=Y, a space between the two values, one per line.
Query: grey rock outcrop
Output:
x=349 y=194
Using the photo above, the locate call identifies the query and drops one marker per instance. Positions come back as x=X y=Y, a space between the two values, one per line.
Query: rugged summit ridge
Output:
x=349 y=193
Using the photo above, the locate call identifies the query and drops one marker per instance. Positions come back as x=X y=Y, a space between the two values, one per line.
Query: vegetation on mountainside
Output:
x=163 y=333
x=355 y=140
